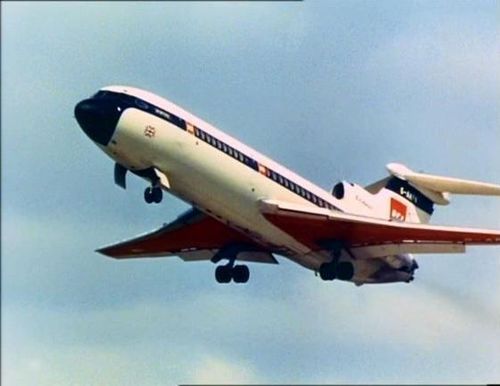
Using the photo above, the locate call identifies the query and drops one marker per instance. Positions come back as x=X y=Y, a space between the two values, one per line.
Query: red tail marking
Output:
x=398 y=210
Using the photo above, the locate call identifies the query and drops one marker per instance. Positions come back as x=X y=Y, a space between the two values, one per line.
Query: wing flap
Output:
x=250 y=256
x=389 y=249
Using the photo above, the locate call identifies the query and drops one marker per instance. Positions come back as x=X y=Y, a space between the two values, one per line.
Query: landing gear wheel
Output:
x=157 y=195
x=345 y=270
x=223 y=274
x=327 y=271
x=148 y=195
x=241 y=273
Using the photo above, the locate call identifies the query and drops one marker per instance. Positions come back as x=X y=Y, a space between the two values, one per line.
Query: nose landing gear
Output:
x=153 y=194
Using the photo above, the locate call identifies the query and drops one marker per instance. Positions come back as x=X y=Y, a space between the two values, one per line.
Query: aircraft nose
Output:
x=98 y=119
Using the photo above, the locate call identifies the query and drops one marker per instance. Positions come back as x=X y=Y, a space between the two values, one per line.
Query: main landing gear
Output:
x=335 y=269
x=239 y=273
x=224 y=273
x=343 y=270
x=153 y=194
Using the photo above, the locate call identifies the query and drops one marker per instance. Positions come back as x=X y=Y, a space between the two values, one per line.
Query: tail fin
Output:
x=422 y=191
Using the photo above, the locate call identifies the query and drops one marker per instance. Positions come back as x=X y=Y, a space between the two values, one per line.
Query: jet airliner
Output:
x=248 y=208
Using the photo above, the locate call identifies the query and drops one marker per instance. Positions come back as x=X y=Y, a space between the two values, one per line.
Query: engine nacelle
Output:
x=403 y=262
x=391 y=275
x=356 y=198
x=391 y=269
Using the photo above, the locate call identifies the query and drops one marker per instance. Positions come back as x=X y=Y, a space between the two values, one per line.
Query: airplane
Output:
x=248 y=208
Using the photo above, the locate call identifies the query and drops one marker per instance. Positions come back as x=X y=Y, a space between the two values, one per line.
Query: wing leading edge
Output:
x=192 y=236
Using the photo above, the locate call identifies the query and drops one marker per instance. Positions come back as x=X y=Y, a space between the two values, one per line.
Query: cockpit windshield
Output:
x=100 y=94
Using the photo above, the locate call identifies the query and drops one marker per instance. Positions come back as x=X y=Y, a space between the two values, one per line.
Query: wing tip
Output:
x=107 y=251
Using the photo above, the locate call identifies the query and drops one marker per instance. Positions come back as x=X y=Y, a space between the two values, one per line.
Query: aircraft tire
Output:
x=223 y=274
x=327 y=271
x=148 y=195
x=241 y=273
x=345 y=270
x=157 y=195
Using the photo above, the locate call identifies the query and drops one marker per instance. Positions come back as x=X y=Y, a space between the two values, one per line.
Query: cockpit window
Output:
x=140 y=103
x=100 y=94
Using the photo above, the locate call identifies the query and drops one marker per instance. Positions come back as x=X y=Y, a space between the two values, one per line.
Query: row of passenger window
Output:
x=292 y=186
x=232 y=152
x=297 y=189
x=239 y=156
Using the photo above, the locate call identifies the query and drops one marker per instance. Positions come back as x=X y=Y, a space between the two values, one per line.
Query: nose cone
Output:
x=98 y=119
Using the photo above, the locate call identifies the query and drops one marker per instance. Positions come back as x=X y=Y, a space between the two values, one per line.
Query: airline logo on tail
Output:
x=398 y=211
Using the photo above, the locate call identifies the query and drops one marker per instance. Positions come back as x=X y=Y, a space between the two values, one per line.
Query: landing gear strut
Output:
x=153 y=194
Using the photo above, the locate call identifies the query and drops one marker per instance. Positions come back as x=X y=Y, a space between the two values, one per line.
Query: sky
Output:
x=331 y=89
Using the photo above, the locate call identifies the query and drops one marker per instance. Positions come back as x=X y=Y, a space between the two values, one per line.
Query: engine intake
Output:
x=356 y=197
x=338 y=191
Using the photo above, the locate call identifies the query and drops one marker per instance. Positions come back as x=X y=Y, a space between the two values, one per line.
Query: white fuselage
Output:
x=220 y=175
x=208 y=178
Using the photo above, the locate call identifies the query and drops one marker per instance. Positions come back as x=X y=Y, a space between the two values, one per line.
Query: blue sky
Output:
x=334 y=90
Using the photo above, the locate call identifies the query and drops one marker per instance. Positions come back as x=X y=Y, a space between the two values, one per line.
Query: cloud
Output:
x=213 y=370
x=450 y=57
x=229 y=334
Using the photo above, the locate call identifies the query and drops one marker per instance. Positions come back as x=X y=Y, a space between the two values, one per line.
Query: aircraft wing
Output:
x=192 y=236
x=369 y=237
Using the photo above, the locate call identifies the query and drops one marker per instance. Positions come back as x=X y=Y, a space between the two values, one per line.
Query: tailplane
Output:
x=411 y=196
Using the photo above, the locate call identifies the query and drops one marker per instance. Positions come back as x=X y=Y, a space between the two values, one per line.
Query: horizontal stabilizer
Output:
x=438 y=185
